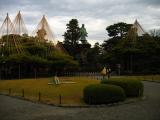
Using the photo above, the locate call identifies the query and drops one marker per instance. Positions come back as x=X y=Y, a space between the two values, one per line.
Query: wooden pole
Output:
x=39 y=96
x=22 y=92
x=35 y=73
x=60 y=99
x=9 y=91
x=19 y=71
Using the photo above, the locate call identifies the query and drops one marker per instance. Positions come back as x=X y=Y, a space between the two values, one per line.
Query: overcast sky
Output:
x=95 y=14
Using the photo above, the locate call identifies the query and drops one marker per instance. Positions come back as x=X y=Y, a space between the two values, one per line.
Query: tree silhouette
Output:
x=72 y=35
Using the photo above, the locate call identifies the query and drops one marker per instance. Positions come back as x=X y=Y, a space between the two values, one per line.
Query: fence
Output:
x=94 y=75
x=57 y=100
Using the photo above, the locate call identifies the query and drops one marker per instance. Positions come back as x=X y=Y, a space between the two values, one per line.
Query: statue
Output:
x=83 y=34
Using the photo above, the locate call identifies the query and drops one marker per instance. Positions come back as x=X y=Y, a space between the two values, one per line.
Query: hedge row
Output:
x=103 y=94
x=132 y=88
x=110 y=91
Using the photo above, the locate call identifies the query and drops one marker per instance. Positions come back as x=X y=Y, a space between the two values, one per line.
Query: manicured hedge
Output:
x=132 y=88
x=103 y=94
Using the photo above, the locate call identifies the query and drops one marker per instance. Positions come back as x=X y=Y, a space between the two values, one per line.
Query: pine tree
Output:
x=72 y=35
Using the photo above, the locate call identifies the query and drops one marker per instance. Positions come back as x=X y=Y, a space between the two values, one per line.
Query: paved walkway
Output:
x=149 y=109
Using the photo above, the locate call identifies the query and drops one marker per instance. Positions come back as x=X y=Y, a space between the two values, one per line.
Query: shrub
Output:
x=103 y=94
x=132 y=88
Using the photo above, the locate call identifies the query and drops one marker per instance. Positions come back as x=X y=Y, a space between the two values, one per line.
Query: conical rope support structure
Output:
x=44 y=32
x=10 y=40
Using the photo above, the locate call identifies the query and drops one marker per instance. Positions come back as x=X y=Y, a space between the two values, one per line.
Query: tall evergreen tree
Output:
x=72 y=35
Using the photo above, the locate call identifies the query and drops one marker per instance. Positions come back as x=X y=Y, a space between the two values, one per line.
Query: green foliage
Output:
x=35 y=49
x=103 y=94
x=72 y=35
x=132 y=88
x=40 y=57
x=118 y=30
x=136 y=54
x=109 y=44
x=93 y=57
x=74 y=45
x=61 y=60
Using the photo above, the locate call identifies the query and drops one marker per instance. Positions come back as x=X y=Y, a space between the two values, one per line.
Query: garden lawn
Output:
x=71 y=93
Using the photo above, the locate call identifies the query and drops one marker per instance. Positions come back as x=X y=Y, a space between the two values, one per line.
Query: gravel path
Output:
x=149 y=109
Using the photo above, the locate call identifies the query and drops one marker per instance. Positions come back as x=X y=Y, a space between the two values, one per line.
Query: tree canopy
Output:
x=72 y=35
x=42 y=57
x=118 y=29
x=136 y=54
x=123 y=50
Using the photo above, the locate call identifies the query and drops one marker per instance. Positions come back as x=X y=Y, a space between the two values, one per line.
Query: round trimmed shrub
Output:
x=132 y=88
x=103 y=94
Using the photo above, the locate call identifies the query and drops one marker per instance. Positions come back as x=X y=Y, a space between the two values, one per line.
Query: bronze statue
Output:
x=83 y=33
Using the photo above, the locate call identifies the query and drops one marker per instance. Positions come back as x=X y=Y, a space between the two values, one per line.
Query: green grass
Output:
x=71 y=93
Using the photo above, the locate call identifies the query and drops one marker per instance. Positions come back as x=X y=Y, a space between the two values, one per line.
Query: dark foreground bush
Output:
x=132 y=88
x=103 y=94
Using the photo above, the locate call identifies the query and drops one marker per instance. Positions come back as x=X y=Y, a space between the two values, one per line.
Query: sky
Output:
x=95 y=14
